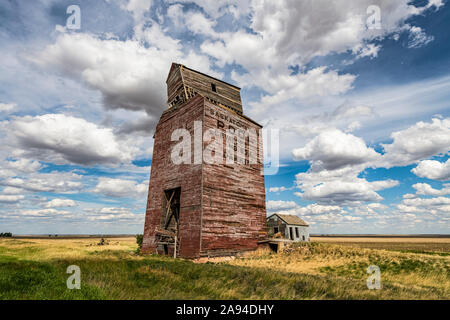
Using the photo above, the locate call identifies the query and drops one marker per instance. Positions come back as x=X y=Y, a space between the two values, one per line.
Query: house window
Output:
x=213 y=87
x=296 y=232
x=275 y=230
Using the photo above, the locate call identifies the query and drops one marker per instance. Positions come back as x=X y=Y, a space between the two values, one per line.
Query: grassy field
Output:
x=325 y=269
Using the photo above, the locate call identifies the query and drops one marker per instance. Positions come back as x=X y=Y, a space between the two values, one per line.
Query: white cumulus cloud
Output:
x=64 y=138
x=274 y=205
x=56 y=203
x=334 y=149
x=120 y=187
x=418 y=142
x=433 y=169
x=427 y=190
x=11 y=198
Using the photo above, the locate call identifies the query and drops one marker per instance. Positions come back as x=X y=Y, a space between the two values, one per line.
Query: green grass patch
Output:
x=27 y=273
x=34 y=280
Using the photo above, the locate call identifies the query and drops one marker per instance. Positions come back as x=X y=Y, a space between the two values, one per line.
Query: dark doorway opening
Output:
x=291 y=233
x=170 y=217
x=273 y=247
x=167 y=234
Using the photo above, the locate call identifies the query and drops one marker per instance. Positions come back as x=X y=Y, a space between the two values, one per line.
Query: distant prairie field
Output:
x=413 y=244
x=327 y=268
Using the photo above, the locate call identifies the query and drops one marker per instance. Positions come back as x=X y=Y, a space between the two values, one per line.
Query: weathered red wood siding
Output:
x=234 y=212
x=167 y=175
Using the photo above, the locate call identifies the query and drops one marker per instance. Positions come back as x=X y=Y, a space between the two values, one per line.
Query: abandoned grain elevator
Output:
x=199 y=209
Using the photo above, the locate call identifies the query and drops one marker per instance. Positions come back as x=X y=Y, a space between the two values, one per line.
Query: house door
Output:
x=291 y=233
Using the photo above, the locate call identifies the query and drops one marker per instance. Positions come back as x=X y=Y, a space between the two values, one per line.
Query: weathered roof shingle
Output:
x=291 y=219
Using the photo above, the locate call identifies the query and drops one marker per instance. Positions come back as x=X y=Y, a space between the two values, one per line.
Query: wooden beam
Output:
x=168 y=208
x=175 y=245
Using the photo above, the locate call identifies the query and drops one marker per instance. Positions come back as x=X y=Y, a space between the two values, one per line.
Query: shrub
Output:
x=139 y=238
x=5 y=235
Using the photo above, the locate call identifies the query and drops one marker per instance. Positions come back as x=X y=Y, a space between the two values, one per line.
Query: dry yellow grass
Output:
x=380 y=239
x=47 y=249
x=319 y=270
x=421 y=271
x=437 y=245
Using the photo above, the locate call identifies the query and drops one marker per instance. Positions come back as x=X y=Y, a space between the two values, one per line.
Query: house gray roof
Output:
x=291 y=219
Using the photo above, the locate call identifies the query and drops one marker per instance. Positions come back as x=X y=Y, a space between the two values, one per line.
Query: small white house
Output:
x=289 y=226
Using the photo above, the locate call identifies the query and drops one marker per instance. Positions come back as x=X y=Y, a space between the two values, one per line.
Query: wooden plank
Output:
x=165 y=232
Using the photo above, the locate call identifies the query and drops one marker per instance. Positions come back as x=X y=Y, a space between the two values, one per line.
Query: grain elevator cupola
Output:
x=183 y=83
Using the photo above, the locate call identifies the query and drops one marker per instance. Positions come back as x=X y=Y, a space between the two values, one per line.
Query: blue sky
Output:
x=363 y=113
